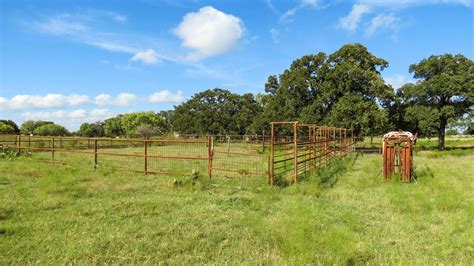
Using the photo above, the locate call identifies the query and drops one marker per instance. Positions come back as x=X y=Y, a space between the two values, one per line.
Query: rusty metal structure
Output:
x=291 y=151
x=397 y=152
x=298 y=149
x=224 y=155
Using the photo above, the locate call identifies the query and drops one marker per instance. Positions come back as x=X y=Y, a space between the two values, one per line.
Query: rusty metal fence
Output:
x=308 y=148
x=139 y=155
x=280 y=156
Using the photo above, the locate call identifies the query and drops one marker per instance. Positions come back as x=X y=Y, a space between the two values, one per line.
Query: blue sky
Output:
x=81 y=61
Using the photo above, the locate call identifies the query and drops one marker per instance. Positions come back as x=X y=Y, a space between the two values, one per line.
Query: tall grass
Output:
x=345 y=214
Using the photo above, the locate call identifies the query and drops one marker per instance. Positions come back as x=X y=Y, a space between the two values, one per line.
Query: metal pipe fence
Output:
x=308 y=148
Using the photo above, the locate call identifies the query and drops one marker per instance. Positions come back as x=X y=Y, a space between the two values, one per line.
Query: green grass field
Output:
x=346 y=214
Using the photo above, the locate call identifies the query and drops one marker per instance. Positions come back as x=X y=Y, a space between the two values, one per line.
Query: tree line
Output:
x=342 y=89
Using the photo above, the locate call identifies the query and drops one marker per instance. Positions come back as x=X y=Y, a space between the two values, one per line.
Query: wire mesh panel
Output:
x=238 y=156
x=182 y=156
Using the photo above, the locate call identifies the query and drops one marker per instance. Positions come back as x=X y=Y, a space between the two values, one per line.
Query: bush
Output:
x=51 y=130
x=12 y=124
x=6 y=129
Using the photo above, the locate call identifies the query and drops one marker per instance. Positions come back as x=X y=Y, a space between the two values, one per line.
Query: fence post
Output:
x=340 y=142
x=52 y=148
x=295 y=150
x=146 y=156
x=263 y=141
x=29 y=142
x=209 y=156
x=272 y=154
x=95 y=153
x=18 y=145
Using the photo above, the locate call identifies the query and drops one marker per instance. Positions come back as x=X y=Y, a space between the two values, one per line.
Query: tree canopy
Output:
x=216 y=111
x=444 y=92
x=344 y=89
x=51 y=130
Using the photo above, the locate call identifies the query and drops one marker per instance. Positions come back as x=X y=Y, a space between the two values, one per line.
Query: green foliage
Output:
x=216 y=111
x=341 y=89
x=6 y=129
x=29 y=126
x=51 y=130
x=131 y=121
x=7 y=153
x=451 y=132
x=113 y=127
x=91 y=129
x=11 y=124
x=445 y=90
x=128 y=124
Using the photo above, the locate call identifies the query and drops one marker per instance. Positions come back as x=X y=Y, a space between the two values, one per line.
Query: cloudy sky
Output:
x=81 y=61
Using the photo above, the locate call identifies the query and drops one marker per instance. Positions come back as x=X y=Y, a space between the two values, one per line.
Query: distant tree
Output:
x=11 y=123
x=6 y=128
x=145 y=131
x=131 y=121
x=168 y=119
x=29 y=126
x=91 y=129
x=113 y=127
x=51 y=130
x=445 y=89
x=451 y=132
x=216 y=111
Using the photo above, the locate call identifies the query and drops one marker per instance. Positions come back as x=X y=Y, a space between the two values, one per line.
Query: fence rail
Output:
x=307 y=149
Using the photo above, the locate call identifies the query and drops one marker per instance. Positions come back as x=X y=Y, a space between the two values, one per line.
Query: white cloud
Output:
x=70 y=119
x=352 y=20
x=381 y=21
x=275 y=35
x=100 y=114
x=166 y=97
x=120 y=18
x=84 y=28
x=61 y=114
x=286 y=17
x=209 y=32
x=123 y=99
x=397 y=81
x=148 y=57
x=363 y=7
x=51 y=100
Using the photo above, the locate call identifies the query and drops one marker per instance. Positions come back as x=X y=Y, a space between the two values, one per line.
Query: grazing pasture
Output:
x=344 y=214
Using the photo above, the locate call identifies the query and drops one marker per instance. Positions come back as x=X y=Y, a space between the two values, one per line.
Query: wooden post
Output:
x=228 y=145
x=95 y=153
x=52 y=148
x=29 y=142
x=295 y=151
x=340 y=142
x=18 y=143
x=263 y=141
x=209 y=156
x=145 y=153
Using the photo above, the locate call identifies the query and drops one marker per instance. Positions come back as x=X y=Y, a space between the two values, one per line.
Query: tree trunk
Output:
x=442 y=127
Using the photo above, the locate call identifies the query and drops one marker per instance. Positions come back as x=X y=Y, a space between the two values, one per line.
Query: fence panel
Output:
x=237 y=156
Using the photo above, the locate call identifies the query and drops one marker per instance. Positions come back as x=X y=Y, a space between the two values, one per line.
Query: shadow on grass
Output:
x=329 y=176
